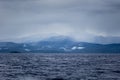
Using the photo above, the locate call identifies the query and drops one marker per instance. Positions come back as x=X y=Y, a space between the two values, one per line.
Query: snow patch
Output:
x=75 y=47
x=27 y=50
x=80 y=47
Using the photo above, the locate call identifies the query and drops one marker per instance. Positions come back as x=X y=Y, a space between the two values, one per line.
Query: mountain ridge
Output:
x=58 y=45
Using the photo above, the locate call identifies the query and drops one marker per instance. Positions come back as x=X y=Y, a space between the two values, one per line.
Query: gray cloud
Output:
x=81 y=19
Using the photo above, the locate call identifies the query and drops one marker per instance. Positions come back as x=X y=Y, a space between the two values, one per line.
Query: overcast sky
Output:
x=80 y=19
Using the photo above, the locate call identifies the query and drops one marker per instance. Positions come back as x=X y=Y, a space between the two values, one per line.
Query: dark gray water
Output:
x=59 y=67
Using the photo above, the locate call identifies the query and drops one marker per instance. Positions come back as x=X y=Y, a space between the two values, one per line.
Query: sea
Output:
x=59 y=66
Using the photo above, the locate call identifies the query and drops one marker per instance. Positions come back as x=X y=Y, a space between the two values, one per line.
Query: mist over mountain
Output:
x=84 y=20
x=107 y=39
x=58 y=44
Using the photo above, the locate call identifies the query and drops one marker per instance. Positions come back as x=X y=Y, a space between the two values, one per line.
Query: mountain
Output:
x=58 y=44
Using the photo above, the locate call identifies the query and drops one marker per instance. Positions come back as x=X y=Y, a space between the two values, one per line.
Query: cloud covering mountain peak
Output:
x=80 y=19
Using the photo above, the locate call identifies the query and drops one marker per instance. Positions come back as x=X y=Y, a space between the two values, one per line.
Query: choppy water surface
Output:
x=59 y=67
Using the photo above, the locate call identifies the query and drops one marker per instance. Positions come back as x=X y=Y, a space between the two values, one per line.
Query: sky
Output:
x=83 y=20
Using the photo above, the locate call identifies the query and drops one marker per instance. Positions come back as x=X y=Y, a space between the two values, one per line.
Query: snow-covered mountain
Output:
x=58 y=44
